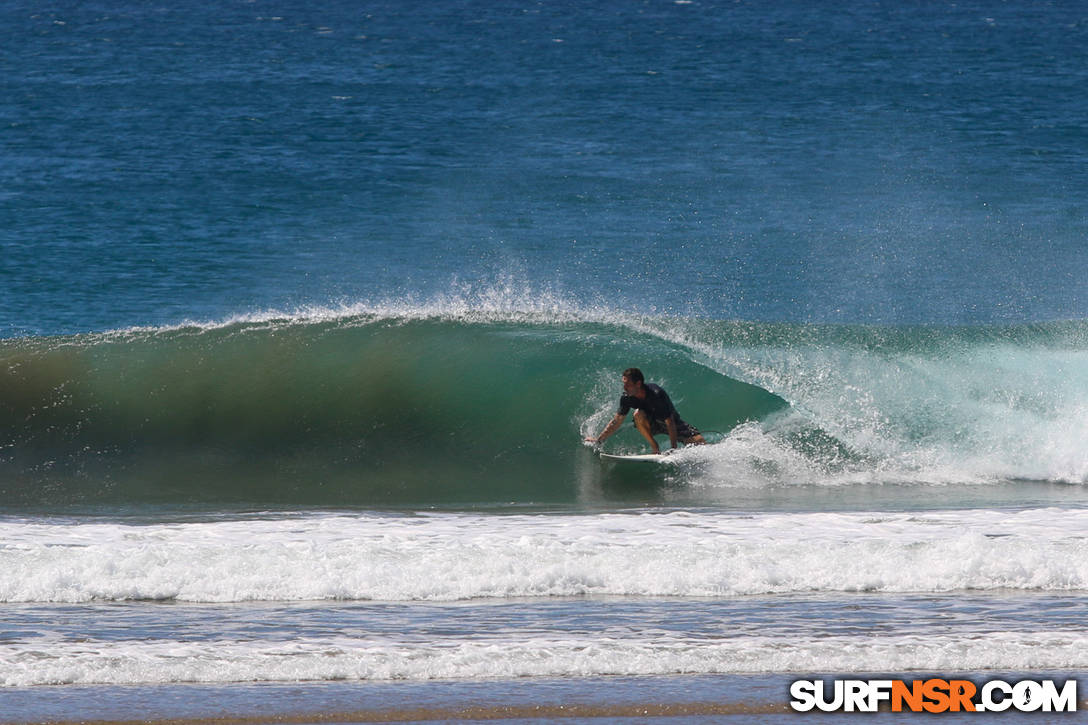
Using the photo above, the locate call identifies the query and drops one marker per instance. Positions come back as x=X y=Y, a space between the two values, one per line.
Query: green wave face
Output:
x=460 y=408
x=358 y=411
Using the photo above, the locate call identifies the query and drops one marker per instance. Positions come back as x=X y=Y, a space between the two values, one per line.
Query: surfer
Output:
x=654 y=414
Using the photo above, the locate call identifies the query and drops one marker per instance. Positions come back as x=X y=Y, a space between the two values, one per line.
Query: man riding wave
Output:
x=654 y=414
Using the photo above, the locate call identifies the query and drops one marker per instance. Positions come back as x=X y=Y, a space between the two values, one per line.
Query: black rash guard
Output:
x=659 y=408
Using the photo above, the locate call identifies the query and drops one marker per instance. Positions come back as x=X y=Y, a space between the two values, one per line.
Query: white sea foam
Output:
x=458 y=556
x=962 y=412
x=343 y=658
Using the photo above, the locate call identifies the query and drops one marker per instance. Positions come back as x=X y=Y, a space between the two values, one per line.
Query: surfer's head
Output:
x=632 y=380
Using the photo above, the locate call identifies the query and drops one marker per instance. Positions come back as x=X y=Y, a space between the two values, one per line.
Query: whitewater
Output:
x=449 y=557
x=369 y=597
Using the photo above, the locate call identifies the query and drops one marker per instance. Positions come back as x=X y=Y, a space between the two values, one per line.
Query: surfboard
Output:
x=636 y=457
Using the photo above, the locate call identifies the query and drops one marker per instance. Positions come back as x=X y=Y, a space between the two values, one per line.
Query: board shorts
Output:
x=683 y=430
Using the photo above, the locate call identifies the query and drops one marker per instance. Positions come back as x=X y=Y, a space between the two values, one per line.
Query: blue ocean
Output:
x=306 y=308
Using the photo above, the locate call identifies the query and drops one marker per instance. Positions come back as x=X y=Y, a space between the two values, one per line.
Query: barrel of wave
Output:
x=356 y=412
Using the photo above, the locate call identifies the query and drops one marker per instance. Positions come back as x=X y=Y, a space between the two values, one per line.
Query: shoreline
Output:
x=477 y=713
x=602 y=699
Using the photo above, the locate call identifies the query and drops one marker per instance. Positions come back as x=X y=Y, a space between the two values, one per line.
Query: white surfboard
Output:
x=637 y=457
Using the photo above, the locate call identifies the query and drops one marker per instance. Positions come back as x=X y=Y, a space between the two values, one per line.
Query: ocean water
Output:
x=305 y=309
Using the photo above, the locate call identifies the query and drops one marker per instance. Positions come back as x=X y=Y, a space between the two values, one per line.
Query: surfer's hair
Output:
x=634 y=375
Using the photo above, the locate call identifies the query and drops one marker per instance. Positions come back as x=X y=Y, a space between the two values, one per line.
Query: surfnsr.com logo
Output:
x=933 y=695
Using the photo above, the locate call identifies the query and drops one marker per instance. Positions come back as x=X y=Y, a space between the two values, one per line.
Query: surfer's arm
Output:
x=612 y=427
x=670 y=423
